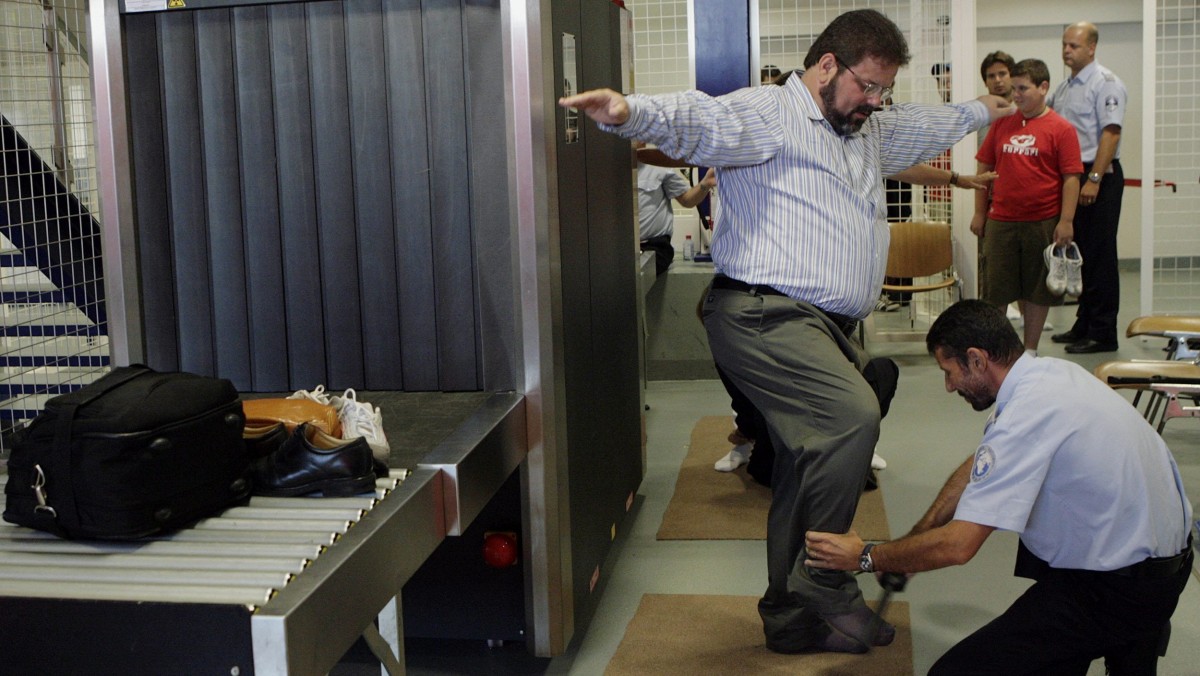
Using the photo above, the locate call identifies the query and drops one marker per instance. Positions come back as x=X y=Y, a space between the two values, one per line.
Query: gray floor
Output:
x=926 y=435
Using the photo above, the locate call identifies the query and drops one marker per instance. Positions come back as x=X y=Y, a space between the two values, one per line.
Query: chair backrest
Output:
x=920 y=249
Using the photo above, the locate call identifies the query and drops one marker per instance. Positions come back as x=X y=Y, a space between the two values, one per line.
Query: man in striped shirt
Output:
x=800 y=257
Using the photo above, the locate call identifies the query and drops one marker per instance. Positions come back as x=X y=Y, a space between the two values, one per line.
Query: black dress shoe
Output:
x=1088 y=346
x=312 y=461
x=1066 y=337
x=263 y=440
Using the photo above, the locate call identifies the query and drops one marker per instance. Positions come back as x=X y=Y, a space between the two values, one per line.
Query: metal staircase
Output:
x=52 y=330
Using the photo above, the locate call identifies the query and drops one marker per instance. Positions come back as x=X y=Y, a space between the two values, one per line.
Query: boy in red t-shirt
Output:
x=1032 y=203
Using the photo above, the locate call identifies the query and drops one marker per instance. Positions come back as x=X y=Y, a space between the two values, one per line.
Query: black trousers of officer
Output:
x=1069 y=618
x=1096 y=235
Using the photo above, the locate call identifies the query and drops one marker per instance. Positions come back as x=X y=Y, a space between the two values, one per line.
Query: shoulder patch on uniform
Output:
x=1110 y=103
x=985 y=460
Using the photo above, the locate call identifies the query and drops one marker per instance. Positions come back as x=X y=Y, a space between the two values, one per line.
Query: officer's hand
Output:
x=832 y=550
x=602 y=105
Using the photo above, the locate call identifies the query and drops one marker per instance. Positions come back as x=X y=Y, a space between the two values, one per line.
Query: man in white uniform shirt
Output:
x=1093 y=99
x=1088 y=484
x=800 y=254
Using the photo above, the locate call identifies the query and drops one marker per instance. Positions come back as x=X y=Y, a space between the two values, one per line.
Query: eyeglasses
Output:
x=869 y=88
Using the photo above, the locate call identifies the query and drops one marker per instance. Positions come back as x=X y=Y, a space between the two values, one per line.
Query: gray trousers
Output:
x=805 y=376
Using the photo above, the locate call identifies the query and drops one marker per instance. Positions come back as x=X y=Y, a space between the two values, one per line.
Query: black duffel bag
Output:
x=133 y=454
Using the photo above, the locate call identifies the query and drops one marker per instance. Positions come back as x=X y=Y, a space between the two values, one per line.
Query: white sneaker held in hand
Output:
x=1056 y=263
x=1074 y=262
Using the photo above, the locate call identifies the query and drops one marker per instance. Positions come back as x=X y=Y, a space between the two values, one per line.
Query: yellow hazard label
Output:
x=176 y=4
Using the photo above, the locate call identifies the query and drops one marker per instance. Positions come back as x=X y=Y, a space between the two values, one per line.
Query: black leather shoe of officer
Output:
x=312 y=461
x=1066 y=337
x=1089 y=346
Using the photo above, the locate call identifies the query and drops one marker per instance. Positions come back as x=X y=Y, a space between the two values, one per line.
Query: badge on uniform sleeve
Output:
x=1110 y=103
x=985 y=460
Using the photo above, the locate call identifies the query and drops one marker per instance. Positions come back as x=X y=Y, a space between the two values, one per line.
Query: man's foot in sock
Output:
x=859 y=624
x=837 y=642
x=737 y=457
x=833 y=642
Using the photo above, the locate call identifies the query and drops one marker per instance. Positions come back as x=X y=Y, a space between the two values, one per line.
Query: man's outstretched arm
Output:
x=602 y=105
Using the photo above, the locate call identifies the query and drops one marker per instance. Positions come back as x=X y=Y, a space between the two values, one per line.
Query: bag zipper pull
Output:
x=38 y=483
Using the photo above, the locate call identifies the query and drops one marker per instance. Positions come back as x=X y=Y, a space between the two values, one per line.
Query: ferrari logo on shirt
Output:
x=985 y=460
x=1021 y=144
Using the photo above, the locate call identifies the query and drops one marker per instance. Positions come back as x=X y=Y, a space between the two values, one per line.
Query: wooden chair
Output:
x=924 y=253
x=1181 y=331
x=1171 y=382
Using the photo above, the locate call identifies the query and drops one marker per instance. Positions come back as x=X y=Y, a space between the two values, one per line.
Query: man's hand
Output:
x=978 y=181
x=832 y=551
x=710 y=179
x=997 y=106
x=602 y=105
x=1088 y=193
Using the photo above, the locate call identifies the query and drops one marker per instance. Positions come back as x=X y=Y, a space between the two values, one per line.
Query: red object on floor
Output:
x=500 y=549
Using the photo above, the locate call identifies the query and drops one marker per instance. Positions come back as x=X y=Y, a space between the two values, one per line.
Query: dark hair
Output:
x=855 y=35
x=974 y=323
x=782 y=79
x=994 y=58
x=769 y=71
x=1034 y=69
x=939 y=69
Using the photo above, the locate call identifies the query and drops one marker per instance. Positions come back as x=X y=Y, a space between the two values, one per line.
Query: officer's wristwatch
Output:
x=1095 y=177
x=864 y=559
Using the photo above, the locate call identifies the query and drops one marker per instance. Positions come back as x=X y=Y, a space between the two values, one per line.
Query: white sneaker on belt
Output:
x=360 y=419
x=317 y=394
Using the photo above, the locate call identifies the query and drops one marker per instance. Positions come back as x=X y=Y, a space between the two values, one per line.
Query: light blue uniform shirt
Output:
x=1092 y=100
x=802 y=207
x=657 y=186
x=1071 y=466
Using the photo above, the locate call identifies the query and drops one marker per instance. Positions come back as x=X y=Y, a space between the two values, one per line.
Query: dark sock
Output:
x=860 y=624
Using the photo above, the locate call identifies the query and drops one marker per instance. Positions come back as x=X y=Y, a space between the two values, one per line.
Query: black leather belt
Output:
x=723 y=282
x=847 y=324
x=1165 y=566
x=1032 y=567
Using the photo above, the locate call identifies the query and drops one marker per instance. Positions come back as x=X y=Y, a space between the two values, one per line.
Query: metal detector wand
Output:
x=891 y=583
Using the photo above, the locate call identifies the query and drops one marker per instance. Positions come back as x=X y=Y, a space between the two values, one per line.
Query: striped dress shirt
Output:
x=802 y=207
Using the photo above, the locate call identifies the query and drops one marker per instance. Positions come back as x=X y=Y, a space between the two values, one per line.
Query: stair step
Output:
x=34 y=346
x=25 y=278
x=46 y=330
x=14 y=315
x=51 y=380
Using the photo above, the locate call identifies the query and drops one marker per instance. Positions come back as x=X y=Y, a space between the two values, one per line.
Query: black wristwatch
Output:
x=864 y=559
x=1095 y=177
